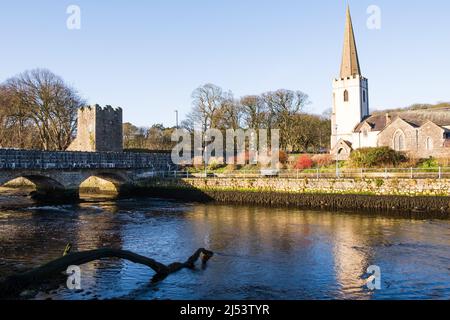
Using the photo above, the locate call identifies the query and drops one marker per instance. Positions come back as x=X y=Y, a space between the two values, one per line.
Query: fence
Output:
x=387 y=173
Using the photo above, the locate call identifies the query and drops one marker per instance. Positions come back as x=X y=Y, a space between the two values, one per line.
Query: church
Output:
x=419 y=133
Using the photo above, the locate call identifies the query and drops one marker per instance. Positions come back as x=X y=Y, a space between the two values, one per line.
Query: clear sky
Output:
x=147 y=56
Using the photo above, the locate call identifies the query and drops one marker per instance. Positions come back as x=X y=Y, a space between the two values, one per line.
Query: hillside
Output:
x=438 y=113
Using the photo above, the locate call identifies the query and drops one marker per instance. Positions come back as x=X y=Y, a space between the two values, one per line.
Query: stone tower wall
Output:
x=109 y=130
x=98 y=130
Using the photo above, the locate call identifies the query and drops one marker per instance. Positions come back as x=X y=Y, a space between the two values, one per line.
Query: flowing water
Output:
x=261 y=253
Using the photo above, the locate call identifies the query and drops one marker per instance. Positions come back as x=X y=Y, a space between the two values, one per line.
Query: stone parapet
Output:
x=41 y=160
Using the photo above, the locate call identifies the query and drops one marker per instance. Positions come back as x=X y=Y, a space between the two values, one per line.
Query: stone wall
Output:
x=436 y=144
x=98 y=130
x=85 y=139
x=109 y=130
x=403 y=187
x=42 y=160
x=416 y=139
x=394 y=195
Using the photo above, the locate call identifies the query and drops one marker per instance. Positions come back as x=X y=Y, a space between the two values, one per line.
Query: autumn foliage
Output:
x=322 y=160
x=304 y=162
x=283 y=157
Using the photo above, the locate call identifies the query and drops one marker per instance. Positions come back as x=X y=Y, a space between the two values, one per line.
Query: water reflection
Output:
x=262 y=253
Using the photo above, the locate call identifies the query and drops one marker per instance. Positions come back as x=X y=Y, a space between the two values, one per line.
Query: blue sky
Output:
x=148 y=56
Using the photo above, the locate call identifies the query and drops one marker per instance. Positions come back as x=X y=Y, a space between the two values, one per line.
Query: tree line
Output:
x=281 y=109
x=157 y=137
x=38 y=111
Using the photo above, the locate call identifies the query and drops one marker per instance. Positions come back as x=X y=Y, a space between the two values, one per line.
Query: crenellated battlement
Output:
x=351 y=78
x=98 y=108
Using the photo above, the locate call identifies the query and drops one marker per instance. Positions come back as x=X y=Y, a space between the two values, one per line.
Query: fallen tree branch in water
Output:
x=14 y=285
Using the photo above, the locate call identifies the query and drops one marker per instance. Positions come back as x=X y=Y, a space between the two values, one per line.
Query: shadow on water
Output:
x=394 y=206
x=106 y=188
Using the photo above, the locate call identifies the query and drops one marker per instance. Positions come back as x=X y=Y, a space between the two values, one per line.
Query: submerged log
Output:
x=15 y=284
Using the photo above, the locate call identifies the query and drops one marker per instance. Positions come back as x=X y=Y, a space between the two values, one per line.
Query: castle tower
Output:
x=350 y=91
x=98 y=130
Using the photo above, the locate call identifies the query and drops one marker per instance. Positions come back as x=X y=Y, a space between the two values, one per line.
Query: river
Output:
x=260 y=253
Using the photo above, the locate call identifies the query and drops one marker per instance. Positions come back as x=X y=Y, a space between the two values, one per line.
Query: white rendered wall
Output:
x=348 y=114
x=360 y=140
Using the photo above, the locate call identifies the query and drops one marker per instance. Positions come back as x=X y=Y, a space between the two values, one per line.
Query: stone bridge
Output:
x=62 y=173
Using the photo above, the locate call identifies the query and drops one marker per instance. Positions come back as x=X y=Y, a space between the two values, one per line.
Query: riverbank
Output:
x=392 y=195
x=404 y=195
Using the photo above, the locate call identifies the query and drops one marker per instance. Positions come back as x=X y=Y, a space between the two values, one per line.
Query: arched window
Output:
x=345 y=96
x=429 y=144
x=364 y=95
x=399 y=141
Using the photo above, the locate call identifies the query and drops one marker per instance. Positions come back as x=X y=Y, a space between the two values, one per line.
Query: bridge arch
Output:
x=104 y=183
x=41 y=187
x=40 y=182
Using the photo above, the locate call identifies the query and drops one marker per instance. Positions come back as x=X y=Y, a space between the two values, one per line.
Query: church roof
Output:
x=416 y=118
x=346 y=142
x=342 y=143
x=377 y=122
x=350 y=62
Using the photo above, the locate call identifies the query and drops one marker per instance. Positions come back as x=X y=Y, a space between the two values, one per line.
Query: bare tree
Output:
x=229 y=115
x=50 y=104
x=207 y=102
x=254 y=112
x=282 y=105
x=156 y=137
x=16 y=128
x=3 y=117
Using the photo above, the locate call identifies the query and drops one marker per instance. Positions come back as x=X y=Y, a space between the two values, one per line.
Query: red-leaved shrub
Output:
x=304 y=162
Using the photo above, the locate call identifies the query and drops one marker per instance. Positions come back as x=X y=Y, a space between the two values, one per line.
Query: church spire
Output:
x=350 y=62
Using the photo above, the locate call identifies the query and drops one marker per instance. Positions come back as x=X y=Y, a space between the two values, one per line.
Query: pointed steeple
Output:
x=350 y=62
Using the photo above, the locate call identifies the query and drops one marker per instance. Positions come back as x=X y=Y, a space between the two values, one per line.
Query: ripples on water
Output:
x=261 y=253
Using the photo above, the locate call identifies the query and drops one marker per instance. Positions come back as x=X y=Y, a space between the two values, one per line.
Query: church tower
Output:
x=350 y=91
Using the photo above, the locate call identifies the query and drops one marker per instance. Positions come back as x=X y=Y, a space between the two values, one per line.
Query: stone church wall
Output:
x=436 y=136
x=386 y=137
x=416 y=139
